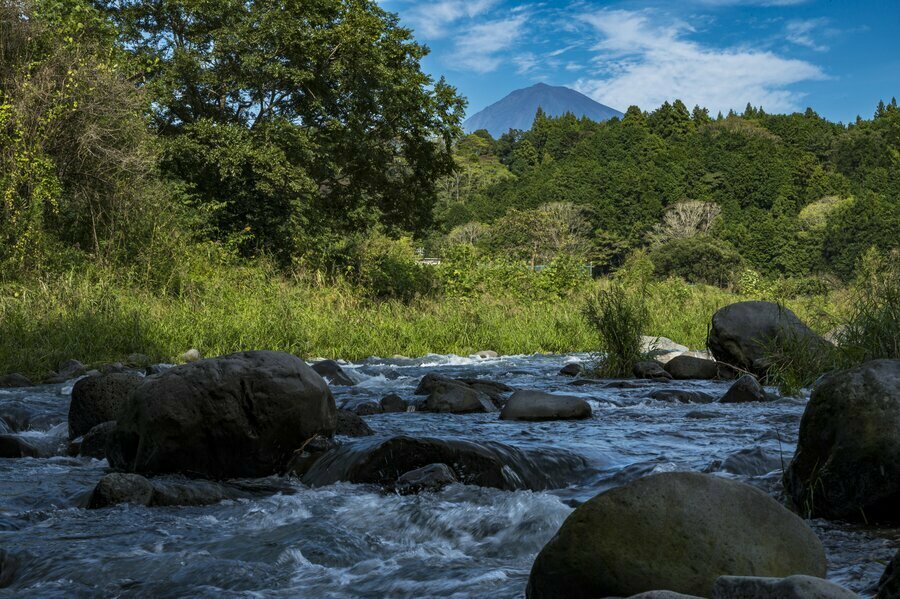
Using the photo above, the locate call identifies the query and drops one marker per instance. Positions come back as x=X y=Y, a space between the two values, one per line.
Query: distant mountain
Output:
x=516 y=111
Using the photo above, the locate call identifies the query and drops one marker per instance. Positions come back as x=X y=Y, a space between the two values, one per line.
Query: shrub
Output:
x=618 y=319
x=699 y=259
x=873 y=330
x=389 y=268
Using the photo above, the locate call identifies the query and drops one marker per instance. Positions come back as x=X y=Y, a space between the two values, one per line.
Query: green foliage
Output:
x=873 y=330
x=389 y=268
x=700 y=259
x=618 y=318
x=869 y=221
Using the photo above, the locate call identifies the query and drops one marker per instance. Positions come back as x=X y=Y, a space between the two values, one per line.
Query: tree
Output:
x=686 y=219
x=524 y=158
x=331 y=90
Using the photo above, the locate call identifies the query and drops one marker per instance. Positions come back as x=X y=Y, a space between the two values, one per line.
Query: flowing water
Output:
x=346 y=540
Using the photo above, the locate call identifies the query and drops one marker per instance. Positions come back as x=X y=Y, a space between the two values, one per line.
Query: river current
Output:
x=347 y=540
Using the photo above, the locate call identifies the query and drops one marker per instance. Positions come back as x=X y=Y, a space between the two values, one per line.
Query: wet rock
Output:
x=94 y=443
x=742 y=333
x=792 y=587
x=678 y=531
x=350 y=424
x=13 y=380
x=367 y=408
x=495 y=390
x=433 y=477
x=486 y=354
x=682 y=396
x=685 y=367
x=746 y=389
x=13 y=446
x=889 y=585
x=393 y=403
x=118 y=488
x=587 y=382
x=332 y=372
x=572 y=369
x=240 y=415
x=457 y=398
x=304 y=458
x=488 y=464
x=702 y=415
x=67 y=371
x=651 y=370
x=539 y=406
x=748 y=462
x=99 y=399
x=847 y=464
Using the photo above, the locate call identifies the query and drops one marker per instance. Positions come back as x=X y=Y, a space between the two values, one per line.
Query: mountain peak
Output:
x=517 y=110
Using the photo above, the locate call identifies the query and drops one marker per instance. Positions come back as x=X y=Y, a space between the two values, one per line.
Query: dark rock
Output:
x=748 y=462
x=350 y=424
x=304 y=458
x=702 y=415
x=118 y=487
x=333 y=373
x=241 y=415
x=9 y=568
x=587 y=382
x=678 y=531
x=889 y=585
x=746 y=389
x=367 y=408
x=573 y=369
x=13 y=380
x=792 y=587
x=393 y=403
x=487 y=464
x=651 y=370
x=539 y=406
x=431 y=381
x=94 y=442
x=457 y=398
x=681 y=396
x=496 y=391
x=688 y=367
x=99 y=399
x=433 y=477
x=847 y=464
x=743 y=333
x=12 y=446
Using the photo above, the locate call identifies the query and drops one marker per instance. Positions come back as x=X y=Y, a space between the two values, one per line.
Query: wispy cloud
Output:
x=644 y=61
x=434 y=20
x=484 y=47
x=803 y=33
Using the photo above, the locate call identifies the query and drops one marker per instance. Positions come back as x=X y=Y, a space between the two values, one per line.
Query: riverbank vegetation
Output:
x=237 y=175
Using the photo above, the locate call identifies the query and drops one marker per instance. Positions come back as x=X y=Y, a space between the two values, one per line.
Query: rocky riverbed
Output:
x=282 y=536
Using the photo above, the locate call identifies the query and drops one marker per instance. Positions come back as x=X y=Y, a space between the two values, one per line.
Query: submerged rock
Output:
x=682 y=396
x=120 y=488
x=748 y=462
x=651 y=370
x=745 y=390
x=240 y=415
x=13 y=380
x=538 y=406
x=743 y=333
x=350 y=424
x=433 y=477
x=13 y=446
x=678 y=531
x=384 y=461
x=332 y=372
x=792 y=587
x=393 y=403
x=847 y=464
x=367 y=408
x=98 y=399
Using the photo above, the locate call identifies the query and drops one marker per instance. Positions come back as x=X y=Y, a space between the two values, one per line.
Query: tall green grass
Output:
x=619 y=318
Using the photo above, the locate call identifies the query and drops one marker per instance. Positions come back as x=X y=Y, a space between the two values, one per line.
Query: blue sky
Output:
x=838 y=56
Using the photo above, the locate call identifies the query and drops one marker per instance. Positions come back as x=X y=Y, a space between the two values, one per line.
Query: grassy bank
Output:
x=98 y=317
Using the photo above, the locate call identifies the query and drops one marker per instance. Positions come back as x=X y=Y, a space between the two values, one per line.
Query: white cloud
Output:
x=481 y=47
x=801 y=33
x=640 y=61
x=434 y=20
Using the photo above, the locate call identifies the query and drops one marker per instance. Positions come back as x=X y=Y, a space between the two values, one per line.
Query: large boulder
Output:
x=332 y=372
x=686 y=367
x=746 y=390
x=241 y=415
x=538 y=406
x=678 y=531
x=98 y=399
x=847 y=464
x=458 y=399
x=743 y=333
x=792 y=587
x=889 y=585
x=384 y=461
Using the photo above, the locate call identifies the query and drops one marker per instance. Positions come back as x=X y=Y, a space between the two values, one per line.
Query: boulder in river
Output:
x=332 y=372
x=752 y=461
x=681 y=396
x=393 y=403
x=889 y=585
x=792 y=587
x=678 y=531
x=367 y=408
x=847 y=464
x=486 y=354
x=98 y=399
x=743 y=333
x=685 y=367
x=651 y=369
x=350 y=424
x=487 y=464
x=745 y=390
x=14 y=446
x=458 y=399
x=12 y=380
x=240 y=415
x=571 y=369
x=433 y=477
x=120 y=487
x=538 y=406
x=94 y=442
